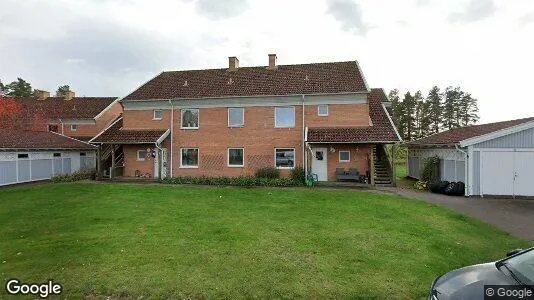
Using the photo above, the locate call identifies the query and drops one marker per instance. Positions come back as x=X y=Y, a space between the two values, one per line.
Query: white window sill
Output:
x=284 y=127
x=189 y=128
x=154 y=119
x=344 y=161
x=285 y=168
x=188 y=167
x=236 y=166
x=141 y=159
x=323 y=115
x=236 y=126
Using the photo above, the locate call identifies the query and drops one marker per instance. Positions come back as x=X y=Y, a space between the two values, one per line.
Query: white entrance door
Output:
x=163 y=163
x=497 y=171
x=156 y=164
x=319 y=163
x=524 y=174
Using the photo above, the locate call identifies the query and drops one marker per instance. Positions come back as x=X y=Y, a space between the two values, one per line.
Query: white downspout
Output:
x=303 y=138
x=172 y=134
x=467 y=183
x=62 y=129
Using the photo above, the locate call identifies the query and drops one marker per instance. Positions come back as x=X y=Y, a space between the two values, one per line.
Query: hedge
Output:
x=234 y=181
x=76 y=176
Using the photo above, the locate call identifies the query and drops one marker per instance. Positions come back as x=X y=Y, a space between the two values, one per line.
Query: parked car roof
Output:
x=315 y=78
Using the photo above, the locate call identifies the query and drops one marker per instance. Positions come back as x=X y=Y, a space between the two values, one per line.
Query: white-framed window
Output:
x=284 y=117
x=284 y=158
x=189 y=158
x=141 y=155
x=236 y=157
x=73 y=127
x=190 y=118
x=322 y=110
x=344 y=156
x=158 y=114
x=236 y=117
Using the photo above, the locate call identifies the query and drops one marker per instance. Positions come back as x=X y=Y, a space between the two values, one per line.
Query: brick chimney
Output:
x=69 y=95
x=272 y=62
x=233 y=63
x=41 y=95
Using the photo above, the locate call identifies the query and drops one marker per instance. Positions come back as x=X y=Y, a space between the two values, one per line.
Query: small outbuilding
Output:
x=27 y=156
x=495 y=159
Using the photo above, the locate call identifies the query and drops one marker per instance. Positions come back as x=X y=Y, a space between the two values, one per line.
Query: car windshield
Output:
x=522 y=266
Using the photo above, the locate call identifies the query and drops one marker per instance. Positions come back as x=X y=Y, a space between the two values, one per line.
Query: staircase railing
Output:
x=389 y=157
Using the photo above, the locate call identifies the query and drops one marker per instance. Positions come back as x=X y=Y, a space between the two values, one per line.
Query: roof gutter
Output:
x=248 y=96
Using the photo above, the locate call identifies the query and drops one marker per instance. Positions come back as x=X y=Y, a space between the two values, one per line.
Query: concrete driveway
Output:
x=511 y=215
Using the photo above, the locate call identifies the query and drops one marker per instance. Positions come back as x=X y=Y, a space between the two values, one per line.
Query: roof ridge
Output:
x=262 y=66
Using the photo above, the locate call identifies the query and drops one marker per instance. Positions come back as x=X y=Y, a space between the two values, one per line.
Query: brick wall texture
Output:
x=259 y=137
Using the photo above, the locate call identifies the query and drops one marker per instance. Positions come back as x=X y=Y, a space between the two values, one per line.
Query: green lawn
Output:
x=401 y=173
x=180 y=241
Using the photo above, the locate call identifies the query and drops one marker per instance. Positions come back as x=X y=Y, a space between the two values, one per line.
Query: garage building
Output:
x=495 y=159
x=27 y=156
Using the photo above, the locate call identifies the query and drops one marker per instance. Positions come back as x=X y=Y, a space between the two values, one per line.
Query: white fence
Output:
x=19 y=167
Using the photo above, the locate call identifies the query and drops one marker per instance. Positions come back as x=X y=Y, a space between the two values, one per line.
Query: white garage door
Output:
x=524 y=176
x=507 y=173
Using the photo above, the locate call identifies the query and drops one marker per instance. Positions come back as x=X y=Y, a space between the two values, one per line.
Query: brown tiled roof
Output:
x=455 y=136
x=381 y=131
x=77 y=108
x=317 y=78
x=24 y=139
x=117 y=135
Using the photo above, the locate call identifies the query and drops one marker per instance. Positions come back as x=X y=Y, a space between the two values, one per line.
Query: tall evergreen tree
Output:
x=418 y=115
x=19 y=89
x=467 y=110
x=434 y=109
x=408 y=118
x=62 y=90
x=450 y=108
x=396 y=110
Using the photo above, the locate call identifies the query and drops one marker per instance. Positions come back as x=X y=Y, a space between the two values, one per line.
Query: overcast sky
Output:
x=110 y=47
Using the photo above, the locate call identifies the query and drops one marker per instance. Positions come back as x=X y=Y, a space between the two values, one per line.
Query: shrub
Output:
x=431 y=170
x=421 y=185
x=268 y=172
x=298 y=174
x=76 y=176
x=245 y=181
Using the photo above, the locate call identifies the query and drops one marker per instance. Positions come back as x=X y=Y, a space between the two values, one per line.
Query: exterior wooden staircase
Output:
x=382 y=167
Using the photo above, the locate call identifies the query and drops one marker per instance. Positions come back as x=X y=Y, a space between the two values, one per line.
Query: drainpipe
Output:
x=303 y=139
x=172 y=133
x=465 y=168
x=62 y=130
x=159 y=155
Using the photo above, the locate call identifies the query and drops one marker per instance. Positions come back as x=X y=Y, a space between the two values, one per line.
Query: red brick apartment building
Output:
x=43 y=136
x=235 y=120
x=77 y=117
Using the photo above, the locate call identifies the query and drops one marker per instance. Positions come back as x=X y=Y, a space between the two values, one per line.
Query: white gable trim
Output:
x=496 y=134
x=106 y=128
x=363 y=76
x=391 y=121
x=100 y=114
